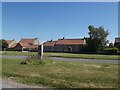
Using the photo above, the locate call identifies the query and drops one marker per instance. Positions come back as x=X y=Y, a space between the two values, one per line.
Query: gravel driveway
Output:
x=11 y=84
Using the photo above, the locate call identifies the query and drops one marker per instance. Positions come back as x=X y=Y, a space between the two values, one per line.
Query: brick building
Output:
x=27 y=44
x=11 y=44
x=49 y=46
x=65 y=45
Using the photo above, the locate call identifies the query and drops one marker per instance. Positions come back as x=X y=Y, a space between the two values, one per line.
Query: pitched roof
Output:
x=8 y=41
x=26 y=45
x=49 y=43
x=70 y=41
x=13 y=45
x=27 y=40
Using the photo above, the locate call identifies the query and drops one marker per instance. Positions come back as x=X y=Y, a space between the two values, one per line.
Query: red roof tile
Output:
x=13 y=45
x=8 y=41
x=49 y=43
x=27 y=40
x=70 y=41
x=26 y=45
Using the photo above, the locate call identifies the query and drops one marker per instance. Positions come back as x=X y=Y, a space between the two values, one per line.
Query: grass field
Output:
x=19 y=53
x=1 y=52
x=66 y=55
x=83 y=56
x=62 y=74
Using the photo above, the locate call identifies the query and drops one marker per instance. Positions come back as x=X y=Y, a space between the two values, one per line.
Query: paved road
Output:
x=11 y=84
x=69 y=59
x=12 y=56
x=86 y=60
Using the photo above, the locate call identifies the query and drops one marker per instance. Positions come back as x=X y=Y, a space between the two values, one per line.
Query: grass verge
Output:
x=62 y=74
x=65 y=55
x=83 y=56
x=18 y=53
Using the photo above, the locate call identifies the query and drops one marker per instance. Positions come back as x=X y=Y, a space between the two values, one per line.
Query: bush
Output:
x=33 y=59
x=111 y=51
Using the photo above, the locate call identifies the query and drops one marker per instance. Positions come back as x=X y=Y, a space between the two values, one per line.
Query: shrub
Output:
x=111 y=51
x=33 y=59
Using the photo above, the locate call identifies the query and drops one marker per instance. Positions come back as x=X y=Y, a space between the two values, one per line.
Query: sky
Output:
x=54 y=20
x=0 y=20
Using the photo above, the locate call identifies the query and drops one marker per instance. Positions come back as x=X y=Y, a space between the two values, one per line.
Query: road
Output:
x=12 y=56
x=11 y=84
x=69 y=59
x=86 y=60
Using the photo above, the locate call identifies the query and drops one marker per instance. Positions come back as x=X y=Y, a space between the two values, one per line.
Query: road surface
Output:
x=12 y=56
x=69 y=59
x=86 y=60
x=11 y=84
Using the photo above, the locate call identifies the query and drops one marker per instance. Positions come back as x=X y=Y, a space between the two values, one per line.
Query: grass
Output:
x=83 y=56
x=19 y=53
x=65 y=55
x=62 y=74
x=1 y=52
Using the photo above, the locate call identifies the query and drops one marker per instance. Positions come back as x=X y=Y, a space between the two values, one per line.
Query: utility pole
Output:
x=40 y=51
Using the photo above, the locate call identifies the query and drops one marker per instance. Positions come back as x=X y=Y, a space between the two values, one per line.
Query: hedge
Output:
x=111 y=51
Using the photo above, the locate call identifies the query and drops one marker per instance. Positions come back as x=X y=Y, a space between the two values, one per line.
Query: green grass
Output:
x=1 y=52
x=62 y=74
x=65 y=55
x=19 y=53
x=83 y=56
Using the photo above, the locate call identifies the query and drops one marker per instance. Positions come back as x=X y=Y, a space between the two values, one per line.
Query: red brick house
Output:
x=65 y=45
x=11 y=44
x=27 y=44
x=69 y=45
x=49 y=46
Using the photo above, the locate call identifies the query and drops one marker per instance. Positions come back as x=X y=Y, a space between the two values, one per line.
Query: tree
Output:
x=3 y=44
x=97 y=38
x=111 y=45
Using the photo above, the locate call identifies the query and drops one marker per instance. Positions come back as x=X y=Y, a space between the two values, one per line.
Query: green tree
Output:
x=3 y=44
x=97 y=38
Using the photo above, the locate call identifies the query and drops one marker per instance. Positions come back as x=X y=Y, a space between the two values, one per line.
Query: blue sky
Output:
x=0 y=20
x=50 y=20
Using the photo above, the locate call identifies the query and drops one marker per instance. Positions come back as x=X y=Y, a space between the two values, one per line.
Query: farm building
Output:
x=27 y=44
x=69 y=45
x=49 y=46
x=11 y=44
x=64 y=45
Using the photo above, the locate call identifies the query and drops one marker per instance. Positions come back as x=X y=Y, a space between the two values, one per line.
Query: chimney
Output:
x=63 y=38
x=84 y=37
x=51 y=40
